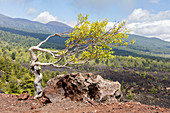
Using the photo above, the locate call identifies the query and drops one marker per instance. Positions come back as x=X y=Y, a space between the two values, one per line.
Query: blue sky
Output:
x=144 y=17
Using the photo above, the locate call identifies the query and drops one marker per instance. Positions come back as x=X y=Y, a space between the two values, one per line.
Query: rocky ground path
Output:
x=25 y=104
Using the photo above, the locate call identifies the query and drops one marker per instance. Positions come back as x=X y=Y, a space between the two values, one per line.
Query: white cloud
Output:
x=111 y=25
x=31 y=11
x=140 y=15
x=142 y=22
x=45 y=17
x=70 y=23
x=154 y=1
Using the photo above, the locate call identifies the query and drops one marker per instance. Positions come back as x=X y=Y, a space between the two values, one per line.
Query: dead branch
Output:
x=56 y=34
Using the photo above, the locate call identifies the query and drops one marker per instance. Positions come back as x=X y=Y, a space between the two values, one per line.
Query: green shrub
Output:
x=115 y=70
x=82 y=69
x=155 y=72
x=134 y=83
x=123 y=89
x=65 y=72
x=151 y=76
x=159 y=87
x=165 y=77
x=57 y=73
x=167 y=91
x=153 y=90
x=130 y=95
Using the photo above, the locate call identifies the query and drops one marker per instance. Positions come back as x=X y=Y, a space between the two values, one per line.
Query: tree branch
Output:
x=56 y=34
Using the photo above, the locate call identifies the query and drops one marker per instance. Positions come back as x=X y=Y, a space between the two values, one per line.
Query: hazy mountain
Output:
x=60 y=26
x=32 y=26
x=152 y=45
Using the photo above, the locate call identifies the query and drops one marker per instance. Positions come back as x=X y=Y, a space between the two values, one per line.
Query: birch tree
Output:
x=86 y=41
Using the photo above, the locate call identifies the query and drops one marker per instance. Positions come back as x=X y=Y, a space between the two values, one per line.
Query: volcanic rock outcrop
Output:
x=82 y=87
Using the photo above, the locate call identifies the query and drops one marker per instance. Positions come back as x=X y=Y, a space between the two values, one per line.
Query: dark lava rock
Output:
x=23 y=96
x=82 y=87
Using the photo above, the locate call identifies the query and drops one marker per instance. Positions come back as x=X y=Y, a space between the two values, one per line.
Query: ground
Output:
x=26 y=104
x=151 y=88
x=144 y=97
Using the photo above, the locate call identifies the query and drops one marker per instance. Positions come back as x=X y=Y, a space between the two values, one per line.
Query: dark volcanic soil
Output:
x=15 y=104
x=152 y=88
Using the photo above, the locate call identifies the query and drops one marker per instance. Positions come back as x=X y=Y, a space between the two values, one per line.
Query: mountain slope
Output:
x=23 y=38
x=55 y=40
x=60 y=26
x=151 y=45
x=32 y=26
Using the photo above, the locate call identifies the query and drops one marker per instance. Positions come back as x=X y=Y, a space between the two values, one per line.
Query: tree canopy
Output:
x=86 y=41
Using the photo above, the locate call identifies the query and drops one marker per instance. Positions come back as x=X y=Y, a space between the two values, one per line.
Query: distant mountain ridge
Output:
x=41 y=31
x=32 y=26
x=152 y=45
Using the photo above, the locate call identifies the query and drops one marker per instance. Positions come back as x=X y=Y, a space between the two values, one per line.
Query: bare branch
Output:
x=53 y=53
x=56 y=34
x=62 y=66
x=49 y=64
x=39 y=55
x=80 y=63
